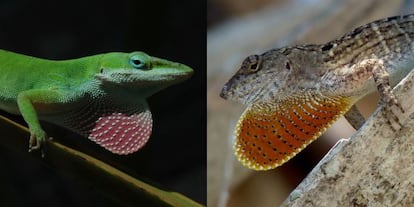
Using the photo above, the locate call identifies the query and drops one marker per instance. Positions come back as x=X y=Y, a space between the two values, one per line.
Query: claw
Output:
x=32 y=142
x=399 y=107
x=37 y=142
x=392 y=119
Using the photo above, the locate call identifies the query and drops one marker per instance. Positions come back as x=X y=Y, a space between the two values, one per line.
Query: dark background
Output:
x=175 y=155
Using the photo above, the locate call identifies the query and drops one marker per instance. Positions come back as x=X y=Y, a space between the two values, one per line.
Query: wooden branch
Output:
x=113 y=183
x=372 y=168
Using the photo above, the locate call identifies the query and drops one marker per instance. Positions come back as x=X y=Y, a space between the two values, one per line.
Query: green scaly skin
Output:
x=57 y=90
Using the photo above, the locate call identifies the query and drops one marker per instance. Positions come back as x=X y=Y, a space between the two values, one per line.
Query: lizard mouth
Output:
x=239 y=90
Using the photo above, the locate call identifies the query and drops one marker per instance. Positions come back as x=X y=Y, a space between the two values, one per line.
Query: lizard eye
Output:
x=138 y=62
x=251 y=64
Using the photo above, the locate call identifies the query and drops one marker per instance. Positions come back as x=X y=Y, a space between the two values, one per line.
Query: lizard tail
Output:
x=269 y=134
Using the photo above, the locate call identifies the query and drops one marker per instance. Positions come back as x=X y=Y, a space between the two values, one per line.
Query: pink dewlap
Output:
x=122 y=133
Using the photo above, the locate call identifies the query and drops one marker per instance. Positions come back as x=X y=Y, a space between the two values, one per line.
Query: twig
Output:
x=82 y=167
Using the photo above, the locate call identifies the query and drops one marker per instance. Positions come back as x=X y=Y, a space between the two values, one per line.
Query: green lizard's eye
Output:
x=138 y=62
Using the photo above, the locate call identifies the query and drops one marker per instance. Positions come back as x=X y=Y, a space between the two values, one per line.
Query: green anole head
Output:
x=139 y=71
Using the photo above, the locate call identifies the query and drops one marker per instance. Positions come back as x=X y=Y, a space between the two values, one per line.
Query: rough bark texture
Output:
x=372 y=168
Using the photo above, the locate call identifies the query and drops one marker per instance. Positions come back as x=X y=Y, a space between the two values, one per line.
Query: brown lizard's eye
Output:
x=251 y=64
x=254 y=67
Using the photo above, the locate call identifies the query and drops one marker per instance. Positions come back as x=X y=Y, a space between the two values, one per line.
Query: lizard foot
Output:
x=37 y=141
x=392 y=117
x=381 y=78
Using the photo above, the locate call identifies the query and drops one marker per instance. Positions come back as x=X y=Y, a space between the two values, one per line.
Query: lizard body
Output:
x=102 y=97
x=294 y=93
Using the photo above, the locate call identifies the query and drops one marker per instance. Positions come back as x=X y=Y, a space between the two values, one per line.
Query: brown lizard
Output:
x=295 y=93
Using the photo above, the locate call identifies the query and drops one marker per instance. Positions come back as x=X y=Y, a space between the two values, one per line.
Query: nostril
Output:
x=101 y=70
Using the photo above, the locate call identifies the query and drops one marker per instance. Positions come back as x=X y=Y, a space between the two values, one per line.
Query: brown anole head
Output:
x=275 y=74
x=258 y=74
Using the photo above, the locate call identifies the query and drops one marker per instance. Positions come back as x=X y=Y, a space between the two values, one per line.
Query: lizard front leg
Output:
x=375 y=68
x=27 y=102
x=382 y=81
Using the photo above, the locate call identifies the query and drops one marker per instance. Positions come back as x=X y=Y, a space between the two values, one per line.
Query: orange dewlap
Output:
x=269 y=134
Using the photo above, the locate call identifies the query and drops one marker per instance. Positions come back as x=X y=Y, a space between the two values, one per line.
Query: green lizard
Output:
x=102 y=97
